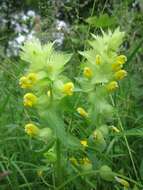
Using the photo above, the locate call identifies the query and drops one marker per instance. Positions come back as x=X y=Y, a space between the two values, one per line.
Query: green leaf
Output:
x=135 y=132
x=103 y=21
x=141 y=169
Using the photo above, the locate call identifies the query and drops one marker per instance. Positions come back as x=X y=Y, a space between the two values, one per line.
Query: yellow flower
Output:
x=86 y=161
x=115 y=129
x=68 y=88
x=49 y=93
x=29 y=99
x=31 y=129
x=120 y=74
x=24 y=82
x=82 y=112
x=84 y=143
x=121 y=59
x=28 y=81
x=117 y=66
x=73 y=161
x=122 y=182
x=113 y=85
x=98 y=59
x=87 y=72
x=39 y=173
x=32 y=77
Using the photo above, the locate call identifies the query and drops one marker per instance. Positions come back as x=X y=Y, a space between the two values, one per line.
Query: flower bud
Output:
x=68 y=88
x=122 y=181
x=97 y=140
x=82 y=112
x=112 y=86
x=45 y=134
x=84 y=143
x=106 y=173
x=87 y=72
x=31 y=129
x=98 y=59
x=50 y=155
x=119 y=75
x=29 y=99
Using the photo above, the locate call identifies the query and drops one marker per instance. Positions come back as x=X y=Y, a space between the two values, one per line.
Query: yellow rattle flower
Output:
x=32 y=77
x=82 y=112
x=68 y=88
x=98 y=59
x=28 y=81
x=117 y=66
x=119 y=75
x=115 y=129
x=24 y=82
x=121 y=59
x=87 y=72
x=31 y=129
x=29 y=99
x=112 y=86
x=122 y=182
x=84 y=143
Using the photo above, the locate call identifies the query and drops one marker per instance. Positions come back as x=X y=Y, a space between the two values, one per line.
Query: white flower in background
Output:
x=24 y=17
x=20 y=39
x=22 y=24
x=62 y=28
x=31 y=35
x=59 y=38
x=61 y=25
x=31 y=13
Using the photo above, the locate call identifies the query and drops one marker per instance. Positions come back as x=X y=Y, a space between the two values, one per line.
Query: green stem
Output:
x=126 y=141
x=93 y=172
x=58 y=163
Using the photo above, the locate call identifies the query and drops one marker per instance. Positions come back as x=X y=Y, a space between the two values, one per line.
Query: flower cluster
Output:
x=48 y=89
x=43 y=80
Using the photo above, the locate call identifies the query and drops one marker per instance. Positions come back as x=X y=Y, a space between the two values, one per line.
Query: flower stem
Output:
x=58 y=163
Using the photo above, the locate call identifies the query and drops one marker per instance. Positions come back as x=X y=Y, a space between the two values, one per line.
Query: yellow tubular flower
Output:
x=68 y=88
x=84 y=143
x=29 y=99
x=32 y=77
x=24 y=82
x=39 y=173
x=98 y=59
x=112 y=86
x=49 y=93
x=28 y=81
x=82 y=112
x=121 y=59
x=115 y=129
x=31 y=129
x=87 y=72
x=122 y=182
x=119 y=75
x=117 y=66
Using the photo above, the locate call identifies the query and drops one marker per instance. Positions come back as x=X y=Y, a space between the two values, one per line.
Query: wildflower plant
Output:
x=76 y=136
